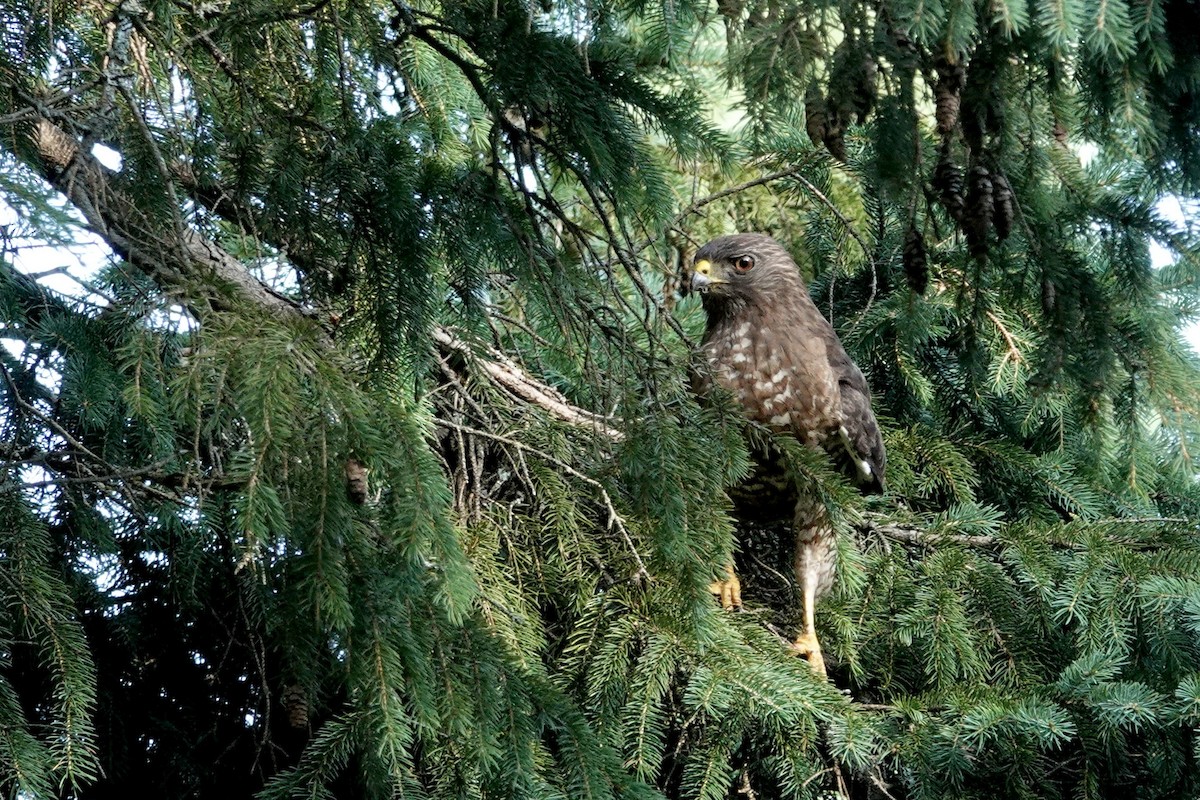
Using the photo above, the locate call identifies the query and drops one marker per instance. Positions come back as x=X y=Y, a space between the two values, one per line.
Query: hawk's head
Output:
x=743 y=268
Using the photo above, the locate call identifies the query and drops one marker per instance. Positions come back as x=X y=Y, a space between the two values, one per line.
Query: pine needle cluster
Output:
x=368 y=463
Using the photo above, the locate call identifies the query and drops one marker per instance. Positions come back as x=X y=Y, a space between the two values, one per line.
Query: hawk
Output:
x=768 y=345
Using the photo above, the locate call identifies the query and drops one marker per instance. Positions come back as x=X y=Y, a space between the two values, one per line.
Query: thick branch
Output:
x=181 y=262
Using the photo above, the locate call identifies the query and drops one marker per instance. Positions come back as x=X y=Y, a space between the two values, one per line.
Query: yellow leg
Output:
x=806 y=644
x=728 y=591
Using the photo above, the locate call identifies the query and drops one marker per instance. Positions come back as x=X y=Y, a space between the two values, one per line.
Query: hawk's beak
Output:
x=702 y=276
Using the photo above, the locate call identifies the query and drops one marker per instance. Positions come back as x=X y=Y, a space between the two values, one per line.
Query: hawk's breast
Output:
x=780 y=374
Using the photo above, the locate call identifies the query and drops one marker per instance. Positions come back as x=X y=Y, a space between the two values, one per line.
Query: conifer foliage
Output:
x=367 y=464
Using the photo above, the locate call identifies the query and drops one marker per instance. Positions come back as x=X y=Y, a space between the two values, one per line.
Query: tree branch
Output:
x=182 y=263
x=196 y=265
x=614 y=518
x=505 y=372
x=910 y=535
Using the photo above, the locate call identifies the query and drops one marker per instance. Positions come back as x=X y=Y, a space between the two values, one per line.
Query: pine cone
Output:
x=1005 y=207
x=916 y=264
x=946 y=113
x=295 y=703
x=730 y=9
x=947 y=93
x=948 y=181
x=980 y=208
x=851 y=94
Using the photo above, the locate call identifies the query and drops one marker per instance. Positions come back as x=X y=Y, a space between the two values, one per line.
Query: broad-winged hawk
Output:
x=769 y=346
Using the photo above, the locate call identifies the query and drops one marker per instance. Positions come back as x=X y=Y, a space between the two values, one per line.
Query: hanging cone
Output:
x=1005 y=206
x=980 y=208
x=948 y=181
x=947 y=94
x=295 y=703
x=916 y=263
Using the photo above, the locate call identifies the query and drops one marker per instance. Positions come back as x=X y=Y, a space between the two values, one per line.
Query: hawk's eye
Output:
x=743 y=264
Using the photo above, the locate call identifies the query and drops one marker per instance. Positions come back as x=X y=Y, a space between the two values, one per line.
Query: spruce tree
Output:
x=367 y=464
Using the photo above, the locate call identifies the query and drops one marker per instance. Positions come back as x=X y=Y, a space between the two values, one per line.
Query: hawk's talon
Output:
x=807 y=646
x=728 y=591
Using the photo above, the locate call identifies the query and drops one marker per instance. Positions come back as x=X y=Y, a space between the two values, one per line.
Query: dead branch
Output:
x=509 y=375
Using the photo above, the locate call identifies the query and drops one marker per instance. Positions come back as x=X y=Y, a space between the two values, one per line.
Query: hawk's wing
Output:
x=861 y=452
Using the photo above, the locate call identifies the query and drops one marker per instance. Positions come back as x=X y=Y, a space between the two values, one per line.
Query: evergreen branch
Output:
x=917 y=536
x=912 y=535
x=878 y=782
x=846 y=223
x=186 y=265
x=496 y=365
x=77 y=472
x=696 y=205
x=1014 y=352
x=614 y=518
x=792 y=172
x=45 y=419
x=470 y=71
x=595 y=194
x=509 y=375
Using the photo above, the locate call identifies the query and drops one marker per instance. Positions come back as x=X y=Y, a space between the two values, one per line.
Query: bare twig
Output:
x=614 y=518
x=1014 y=352
x=732 y=190
x=110 y=474
x=837 y=213
x=509 y=375
x=881 y=785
